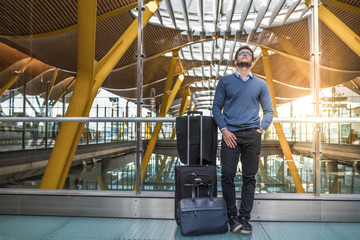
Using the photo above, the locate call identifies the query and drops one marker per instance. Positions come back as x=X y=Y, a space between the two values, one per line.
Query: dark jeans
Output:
x=248 y=148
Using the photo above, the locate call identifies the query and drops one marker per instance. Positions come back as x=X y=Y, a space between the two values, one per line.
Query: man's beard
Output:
x=244 y=64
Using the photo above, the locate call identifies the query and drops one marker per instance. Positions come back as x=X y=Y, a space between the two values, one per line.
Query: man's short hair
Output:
x=245 y=47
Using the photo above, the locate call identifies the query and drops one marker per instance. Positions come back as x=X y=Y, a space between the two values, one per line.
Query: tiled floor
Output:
x=48 y=227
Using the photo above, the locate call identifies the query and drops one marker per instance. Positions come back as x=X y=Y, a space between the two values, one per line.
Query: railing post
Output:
x=315 y=71
x=104 y=125
x=46 y=114
x=97 y=124
x=139 y=94
x=24 y=124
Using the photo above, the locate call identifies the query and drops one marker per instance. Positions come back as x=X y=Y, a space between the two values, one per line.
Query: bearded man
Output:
x=236 y=112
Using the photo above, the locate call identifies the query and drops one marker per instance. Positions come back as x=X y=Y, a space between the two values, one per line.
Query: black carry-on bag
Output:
x=187 y=175
x=202 y=215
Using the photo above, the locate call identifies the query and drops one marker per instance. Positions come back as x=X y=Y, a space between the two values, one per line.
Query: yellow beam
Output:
x=162 y=166
x=108 y=62
x=147 y=130
x=279 y=131
x=64 y=91
x=342 y=6
x=56 y=168
x=122 y=131
x=163 y=110
x=184 y=103
x=15 y=78
x=171 y=168
x=355 y=84
x=163 y=133
x=90 y=28
x=104 y=67
x=102 y=184
x=170 y=99
x=51 y=84
x=163 y=162
x=174 y=91
x=347 y=35
x=169 y=80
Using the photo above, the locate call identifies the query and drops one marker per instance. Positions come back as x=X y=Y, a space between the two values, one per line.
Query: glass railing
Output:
x=31 y=135
x=17 y=135
x=339 y=172
x=336 y=133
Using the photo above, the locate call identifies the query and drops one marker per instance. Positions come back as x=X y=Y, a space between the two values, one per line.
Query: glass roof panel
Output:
x=173 y=15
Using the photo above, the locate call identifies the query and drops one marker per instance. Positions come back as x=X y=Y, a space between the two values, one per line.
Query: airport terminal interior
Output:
x=89 y=97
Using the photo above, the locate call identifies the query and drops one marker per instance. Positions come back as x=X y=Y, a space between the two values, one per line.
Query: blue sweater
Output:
x=240 y=100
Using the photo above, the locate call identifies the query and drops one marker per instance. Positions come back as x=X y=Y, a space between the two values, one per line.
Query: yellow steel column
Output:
x=109 y=61
x=51 y=85
x=171 y=167
x=101 y=183
x=174 y=91
x=169 y=80
x=184 y=103
x=166 y=176
x=15 y=78
x=102 y=70
x=185 y=100
x=147 y=129
x=279 y=131
x=155 y=134
x=355 y=84
x=343 y=6
x=163 y=162
x=340 y=29
x=85 y=75
x=64 y=91
x=348 y=36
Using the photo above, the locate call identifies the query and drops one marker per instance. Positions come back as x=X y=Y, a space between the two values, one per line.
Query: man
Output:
x=239 y=95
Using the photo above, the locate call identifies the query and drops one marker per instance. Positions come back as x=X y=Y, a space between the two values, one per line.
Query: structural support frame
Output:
x=279 y=130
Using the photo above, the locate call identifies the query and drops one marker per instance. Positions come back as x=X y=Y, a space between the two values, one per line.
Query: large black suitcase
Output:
x=187 y=175
x=209 y=141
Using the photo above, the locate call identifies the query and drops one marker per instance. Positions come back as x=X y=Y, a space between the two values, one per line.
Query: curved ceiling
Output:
x=37 y=37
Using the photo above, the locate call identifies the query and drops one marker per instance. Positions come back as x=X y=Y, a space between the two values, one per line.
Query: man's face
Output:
x=244 y=58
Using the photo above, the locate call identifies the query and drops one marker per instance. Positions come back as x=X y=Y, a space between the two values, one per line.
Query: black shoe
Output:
x=234 y=223
x=246 y=227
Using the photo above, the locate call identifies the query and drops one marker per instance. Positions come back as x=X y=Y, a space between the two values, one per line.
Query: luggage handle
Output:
x=197 y=192
x=194 y=112
x=188 y=136
x=199 y=184
x=190 y=185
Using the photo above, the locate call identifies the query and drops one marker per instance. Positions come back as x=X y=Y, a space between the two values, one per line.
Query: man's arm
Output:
x=218 y=105
x=266 y=105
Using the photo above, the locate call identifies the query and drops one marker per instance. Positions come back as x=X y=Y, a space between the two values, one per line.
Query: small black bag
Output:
x=202 y=215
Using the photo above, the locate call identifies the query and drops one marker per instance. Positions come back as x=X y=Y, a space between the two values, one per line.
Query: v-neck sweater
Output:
x=240 y=101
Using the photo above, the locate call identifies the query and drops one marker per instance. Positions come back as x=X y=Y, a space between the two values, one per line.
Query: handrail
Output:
x=163 y=119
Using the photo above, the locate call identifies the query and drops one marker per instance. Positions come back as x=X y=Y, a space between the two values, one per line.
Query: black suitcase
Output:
x=209 y=143
x=187 y=175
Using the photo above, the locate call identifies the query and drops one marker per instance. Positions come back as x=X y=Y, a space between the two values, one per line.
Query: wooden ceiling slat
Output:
x=38 y=16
